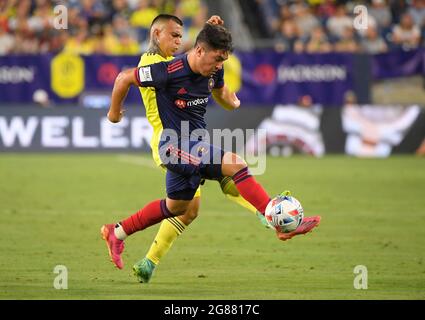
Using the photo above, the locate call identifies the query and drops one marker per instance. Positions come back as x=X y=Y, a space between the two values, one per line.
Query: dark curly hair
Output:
x=215 y=37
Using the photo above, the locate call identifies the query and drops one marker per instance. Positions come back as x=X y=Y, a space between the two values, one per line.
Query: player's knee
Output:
x=232 y=164
x=175 y=212
x=177 y=207
x=192 y=213
x=231 y=170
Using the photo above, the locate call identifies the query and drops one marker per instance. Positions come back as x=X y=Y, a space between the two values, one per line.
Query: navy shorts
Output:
x=187 y=163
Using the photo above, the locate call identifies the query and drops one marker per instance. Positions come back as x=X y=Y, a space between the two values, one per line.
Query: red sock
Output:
x=251 y=190
x=149 y=215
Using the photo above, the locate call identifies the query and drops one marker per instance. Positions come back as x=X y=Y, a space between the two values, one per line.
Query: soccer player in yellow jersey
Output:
x=165 y=40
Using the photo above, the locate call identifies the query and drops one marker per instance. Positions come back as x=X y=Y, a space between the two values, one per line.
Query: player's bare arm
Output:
x=121 y=86
x=226 y=99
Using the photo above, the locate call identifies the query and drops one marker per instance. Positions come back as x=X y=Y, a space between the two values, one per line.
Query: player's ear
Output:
x=155 y=34
x=198 y=50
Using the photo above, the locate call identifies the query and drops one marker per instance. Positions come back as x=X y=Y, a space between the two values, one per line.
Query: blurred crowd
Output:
x=327 y=25
x=121 y=27
x=115 y=27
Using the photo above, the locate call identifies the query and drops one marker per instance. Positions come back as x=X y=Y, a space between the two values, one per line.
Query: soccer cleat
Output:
x=286 y=193
x=306 y=226
x=115 y=246
x=143 y=270
x=263 y=220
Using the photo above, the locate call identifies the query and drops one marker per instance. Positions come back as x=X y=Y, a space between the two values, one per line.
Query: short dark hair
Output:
x=216 y=37
x=166 y=17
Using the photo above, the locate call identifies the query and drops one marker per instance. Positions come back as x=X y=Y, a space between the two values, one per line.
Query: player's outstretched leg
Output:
x=168 y=232
x=255 y=194
x=231 y=192
x=114 y=235
x=234 y=166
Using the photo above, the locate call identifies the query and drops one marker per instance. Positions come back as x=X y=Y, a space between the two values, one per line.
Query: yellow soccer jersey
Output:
x=149 y=100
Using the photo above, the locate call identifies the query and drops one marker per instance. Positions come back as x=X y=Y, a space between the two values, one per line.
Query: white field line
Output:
x=137 y=160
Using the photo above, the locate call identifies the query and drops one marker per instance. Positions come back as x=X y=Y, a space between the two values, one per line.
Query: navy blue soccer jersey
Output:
x=181 y=94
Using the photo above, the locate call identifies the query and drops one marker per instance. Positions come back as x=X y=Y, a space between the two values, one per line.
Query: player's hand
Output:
x=115 y=117
x=236 y=103
x=215 y=20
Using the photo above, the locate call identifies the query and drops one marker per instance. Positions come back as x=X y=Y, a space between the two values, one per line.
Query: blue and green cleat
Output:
x=143 y=270
x=286 y=193
x=263 y=220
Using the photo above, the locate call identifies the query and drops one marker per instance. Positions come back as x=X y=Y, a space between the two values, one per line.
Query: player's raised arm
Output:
x=154 y=75
x=122 y=84
x=228 y=100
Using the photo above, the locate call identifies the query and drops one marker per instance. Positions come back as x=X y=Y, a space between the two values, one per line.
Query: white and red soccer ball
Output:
x=284 y=213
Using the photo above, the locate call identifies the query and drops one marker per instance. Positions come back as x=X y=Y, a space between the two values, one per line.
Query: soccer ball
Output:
x=284 y=213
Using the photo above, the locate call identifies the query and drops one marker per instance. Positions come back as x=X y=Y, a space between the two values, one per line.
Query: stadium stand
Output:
x=120 y=27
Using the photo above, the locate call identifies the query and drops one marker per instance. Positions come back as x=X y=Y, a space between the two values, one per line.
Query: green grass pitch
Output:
x=373 y=214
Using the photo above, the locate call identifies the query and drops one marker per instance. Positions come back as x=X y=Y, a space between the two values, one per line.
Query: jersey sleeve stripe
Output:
x=136 y=73
x=175 y=66
x=175 y=69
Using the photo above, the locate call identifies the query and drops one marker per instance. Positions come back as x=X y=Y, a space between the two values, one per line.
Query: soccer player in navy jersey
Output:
x=166 y=32
x=183 y=88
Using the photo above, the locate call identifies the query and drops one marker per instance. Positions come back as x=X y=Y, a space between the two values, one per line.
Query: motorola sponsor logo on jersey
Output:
x=181 y=104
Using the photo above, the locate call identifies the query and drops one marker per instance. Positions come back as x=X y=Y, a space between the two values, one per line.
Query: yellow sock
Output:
x=229 y=189
x=169 y=230
x=242 y=202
